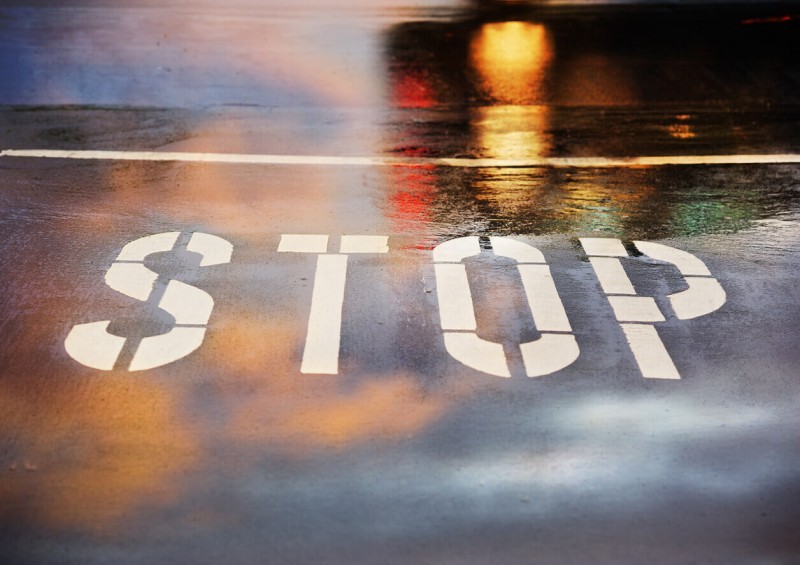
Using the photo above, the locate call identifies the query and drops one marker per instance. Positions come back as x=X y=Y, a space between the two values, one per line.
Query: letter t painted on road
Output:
x=321 y=351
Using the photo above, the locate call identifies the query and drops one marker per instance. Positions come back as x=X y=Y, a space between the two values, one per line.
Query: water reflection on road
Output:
x=498 y=85
x=234 y=441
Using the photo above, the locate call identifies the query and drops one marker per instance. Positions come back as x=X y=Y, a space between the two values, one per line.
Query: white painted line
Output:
x=649 y=351
x=455 y=297
x=518 y=250
x=328 y=160
x=603 y=247
x=91 y=345
x=543 y=299
x=131 y=279
x=704 y=295
x=188 y=304
x=476 y=353
x=237 y=158
x=686 y=263
x=140 y=248
x=612 y=275
x=635 y=309
x=302 y=243
x=454 y=250
x=321 y=354
x=215 y=250
x=549 y=353
x=158 y=350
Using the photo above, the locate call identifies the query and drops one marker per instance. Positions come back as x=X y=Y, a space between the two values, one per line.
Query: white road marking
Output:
x=303 y=243
x=91 y=345
x=189 y=305
x=214 y=249
x=648 y=350
x=612 y=275
x=140 y=248
x=603 y=247
x=329 y=160
x=518 y=250
x=455 y=298
x=636 y=309
x=686 y=263
x=454 y=250
x=476 y=353
x=321 y=353
x=131 y=279
x=324 y=334
x=556 y=349
x=703 y=296
x=545 y=304
x=158 y=350
x=651 y=356
x=551 y=352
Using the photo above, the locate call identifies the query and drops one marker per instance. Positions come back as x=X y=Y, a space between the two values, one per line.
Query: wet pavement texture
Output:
x=405 y=455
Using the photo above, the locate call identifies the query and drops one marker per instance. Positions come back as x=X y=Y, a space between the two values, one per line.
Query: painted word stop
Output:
x=556 y=348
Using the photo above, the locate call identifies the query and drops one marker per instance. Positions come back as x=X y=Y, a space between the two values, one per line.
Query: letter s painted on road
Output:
x=93 y=346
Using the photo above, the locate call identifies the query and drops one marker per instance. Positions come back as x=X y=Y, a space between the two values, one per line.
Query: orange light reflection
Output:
x=90 y=455
x=511 y=59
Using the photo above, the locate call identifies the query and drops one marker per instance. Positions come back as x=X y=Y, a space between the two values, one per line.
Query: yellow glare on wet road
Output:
x=681 y=131
x=511 y=59
x=512 y=132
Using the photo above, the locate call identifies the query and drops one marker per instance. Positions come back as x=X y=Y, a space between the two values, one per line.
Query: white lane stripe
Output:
x=560 y=162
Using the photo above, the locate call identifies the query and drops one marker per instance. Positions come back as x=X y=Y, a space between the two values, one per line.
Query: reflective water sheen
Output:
x=405 y=456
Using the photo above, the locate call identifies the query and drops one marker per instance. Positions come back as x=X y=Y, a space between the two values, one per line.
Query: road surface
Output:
x=387 y=282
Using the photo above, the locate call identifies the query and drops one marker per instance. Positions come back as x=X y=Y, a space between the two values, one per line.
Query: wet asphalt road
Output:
x=237 y=451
